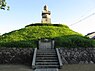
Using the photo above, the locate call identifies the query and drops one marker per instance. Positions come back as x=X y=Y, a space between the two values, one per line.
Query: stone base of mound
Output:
x=16 y=55
x=77 y=55
x=68 y=55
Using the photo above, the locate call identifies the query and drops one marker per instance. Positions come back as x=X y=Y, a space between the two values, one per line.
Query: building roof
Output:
x=91 y=35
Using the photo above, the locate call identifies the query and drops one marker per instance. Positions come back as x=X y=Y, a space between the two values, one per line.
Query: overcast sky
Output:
x=79 y=15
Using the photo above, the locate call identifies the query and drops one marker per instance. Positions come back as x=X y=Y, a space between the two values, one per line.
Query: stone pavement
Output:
x=78 y=67
x=68 y=67
x=15 y=68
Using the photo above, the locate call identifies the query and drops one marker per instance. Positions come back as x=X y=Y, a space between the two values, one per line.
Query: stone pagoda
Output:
x=46 y=15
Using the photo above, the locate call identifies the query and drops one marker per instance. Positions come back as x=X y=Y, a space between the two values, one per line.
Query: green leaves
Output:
x=28 y=37
x=3 y=5
x=74 y=41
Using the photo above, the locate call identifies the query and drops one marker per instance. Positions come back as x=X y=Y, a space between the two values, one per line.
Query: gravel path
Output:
x=68 y=67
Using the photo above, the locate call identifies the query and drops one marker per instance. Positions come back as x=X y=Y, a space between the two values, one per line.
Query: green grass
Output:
x=28 y=36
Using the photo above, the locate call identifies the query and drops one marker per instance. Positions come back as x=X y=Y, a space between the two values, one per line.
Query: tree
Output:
x=3 y=5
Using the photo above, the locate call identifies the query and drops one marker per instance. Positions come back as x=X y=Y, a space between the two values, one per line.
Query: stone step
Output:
x=46 y=51
x=47 y=63
x=46 y=55
x=47 y=66
x=46 y=60
x=49 y=69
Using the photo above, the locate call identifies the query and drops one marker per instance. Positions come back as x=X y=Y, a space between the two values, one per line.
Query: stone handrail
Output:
x=34 y=58
x=59 y=58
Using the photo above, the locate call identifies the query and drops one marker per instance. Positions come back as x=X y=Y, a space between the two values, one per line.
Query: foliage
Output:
x=74 y=41
x=28 y=36
x=3 y=5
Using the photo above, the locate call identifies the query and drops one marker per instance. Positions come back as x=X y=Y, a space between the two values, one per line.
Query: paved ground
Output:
x=73 y=67
x=15 y=68
x=79 y=67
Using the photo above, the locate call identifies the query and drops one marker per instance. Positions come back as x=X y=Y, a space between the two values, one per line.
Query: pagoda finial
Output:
x=46 y=7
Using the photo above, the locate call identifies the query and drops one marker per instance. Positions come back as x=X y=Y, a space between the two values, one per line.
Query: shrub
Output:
x=28 y=36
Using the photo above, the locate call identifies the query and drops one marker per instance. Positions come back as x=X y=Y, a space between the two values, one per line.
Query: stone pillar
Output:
x=39 y=42
x=52 y=46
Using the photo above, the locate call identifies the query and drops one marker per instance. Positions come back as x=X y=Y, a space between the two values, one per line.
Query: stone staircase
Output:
x=48 y=59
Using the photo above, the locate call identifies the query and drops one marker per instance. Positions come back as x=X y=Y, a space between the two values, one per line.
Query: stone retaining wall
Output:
x=77 y=55
x=68 y=55
x=16 y=56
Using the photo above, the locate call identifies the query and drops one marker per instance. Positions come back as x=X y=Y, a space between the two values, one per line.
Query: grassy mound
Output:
x=28 y=36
